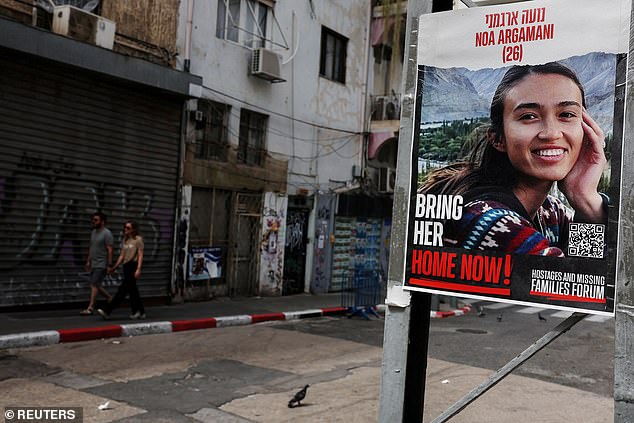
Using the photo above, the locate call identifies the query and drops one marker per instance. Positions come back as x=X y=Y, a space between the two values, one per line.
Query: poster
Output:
x=516 y=158
x=205 y=263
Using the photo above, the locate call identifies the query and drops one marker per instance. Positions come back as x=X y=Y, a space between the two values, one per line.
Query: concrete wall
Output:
x=315 y=125
x=303 y=111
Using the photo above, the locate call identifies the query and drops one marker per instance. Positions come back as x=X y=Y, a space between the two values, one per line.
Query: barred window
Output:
x=243 y=21
x=212 y=142
x=252 y=137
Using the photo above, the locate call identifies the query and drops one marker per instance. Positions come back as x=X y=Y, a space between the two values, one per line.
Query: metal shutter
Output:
x=72 y=142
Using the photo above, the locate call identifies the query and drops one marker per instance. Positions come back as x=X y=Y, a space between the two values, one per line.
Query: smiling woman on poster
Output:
x=540 y=134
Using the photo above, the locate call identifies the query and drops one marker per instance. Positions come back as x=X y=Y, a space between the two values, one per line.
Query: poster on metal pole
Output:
x=516 y=158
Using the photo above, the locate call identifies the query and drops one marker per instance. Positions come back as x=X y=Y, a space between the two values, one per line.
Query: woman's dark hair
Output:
x=135 y=228
x=485 y=165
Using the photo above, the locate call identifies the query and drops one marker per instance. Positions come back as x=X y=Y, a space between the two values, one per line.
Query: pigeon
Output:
x=481 y=312
x=499 y=317
x=300 y=395
x=542 y=318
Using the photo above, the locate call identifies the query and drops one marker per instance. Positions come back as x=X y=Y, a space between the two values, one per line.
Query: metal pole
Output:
x=406 y=328
x=416 y=367
x=624 y=302
x=505 y=370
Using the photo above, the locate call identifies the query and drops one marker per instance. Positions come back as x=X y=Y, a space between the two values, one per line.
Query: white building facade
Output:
x=277 y=137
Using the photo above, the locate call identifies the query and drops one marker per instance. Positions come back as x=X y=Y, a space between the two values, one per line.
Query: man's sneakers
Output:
x=103 y=314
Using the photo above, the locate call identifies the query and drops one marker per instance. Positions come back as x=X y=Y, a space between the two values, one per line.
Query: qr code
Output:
x=586 y=240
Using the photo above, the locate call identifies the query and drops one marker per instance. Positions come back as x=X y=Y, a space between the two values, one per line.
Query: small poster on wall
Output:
x=205 y=263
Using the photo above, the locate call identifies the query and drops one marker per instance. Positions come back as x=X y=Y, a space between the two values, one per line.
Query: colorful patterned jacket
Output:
x=498 y=221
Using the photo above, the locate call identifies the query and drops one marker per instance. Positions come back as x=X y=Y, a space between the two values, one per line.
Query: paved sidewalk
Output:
x=350 y=396
x=46 y=327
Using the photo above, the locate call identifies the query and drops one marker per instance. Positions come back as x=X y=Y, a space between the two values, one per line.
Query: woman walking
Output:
x=132 y=259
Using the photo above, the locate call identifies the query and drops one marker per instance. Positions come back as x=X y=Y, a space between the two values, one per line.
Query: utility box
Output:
x=83 y=26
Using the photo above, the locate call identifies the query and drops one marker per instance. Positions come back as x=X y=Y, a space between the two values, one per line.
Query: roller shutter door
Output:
x=72 y=142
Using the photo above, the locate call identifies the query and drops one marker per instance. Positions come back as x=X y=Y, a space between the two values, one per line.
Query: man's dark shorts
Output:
x=97 y=276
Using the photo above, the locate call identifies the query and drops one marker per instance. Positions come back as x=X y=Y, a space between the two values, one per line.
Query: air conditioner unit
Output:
x=385 y=108
x=392 y=111
x=83 y=26
x=387 y=179
x=266 y=64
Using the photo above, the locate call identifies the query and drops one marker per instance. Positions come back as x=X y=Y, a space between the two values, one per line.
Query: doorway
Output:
x=244 y=252
x=295 y=251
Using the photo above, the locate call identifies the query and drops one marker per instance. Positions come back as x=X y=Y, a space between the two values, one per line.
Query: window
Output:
x=243 y=21
x=212 y=141
x=252 y=133
x=228 y=19
x=332 y=63
x=210 y=222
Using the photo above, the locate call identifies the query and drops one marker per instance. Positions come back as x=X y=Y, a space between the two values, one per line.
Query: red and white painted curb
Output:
x=50 y=337
x=458 y=312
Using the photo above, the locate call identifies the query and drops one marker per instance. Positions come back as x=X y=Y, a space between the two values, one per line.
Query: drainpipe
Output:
x=34 y=13
x=188 y=34
x=365 y=120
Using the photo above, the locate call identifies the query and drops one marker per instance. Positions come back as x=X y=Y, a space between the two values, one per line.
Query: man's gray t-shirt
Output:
x=99 y=239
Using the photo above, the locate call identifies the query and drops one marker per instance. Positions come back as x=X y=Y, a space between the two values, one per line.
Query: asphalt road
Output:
x=582 y=358
x=248 y=373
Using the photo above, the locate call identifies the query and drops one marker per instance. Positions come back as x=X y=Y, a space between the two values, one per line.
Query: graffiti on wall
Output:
x=295 y=231
x=272 y=244
x=45 y=208
x=295 y=251
x=321 y=275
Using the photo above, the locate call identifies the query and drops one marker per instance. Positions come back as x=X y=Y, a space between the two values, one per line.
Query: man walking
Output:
x=99 y=259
